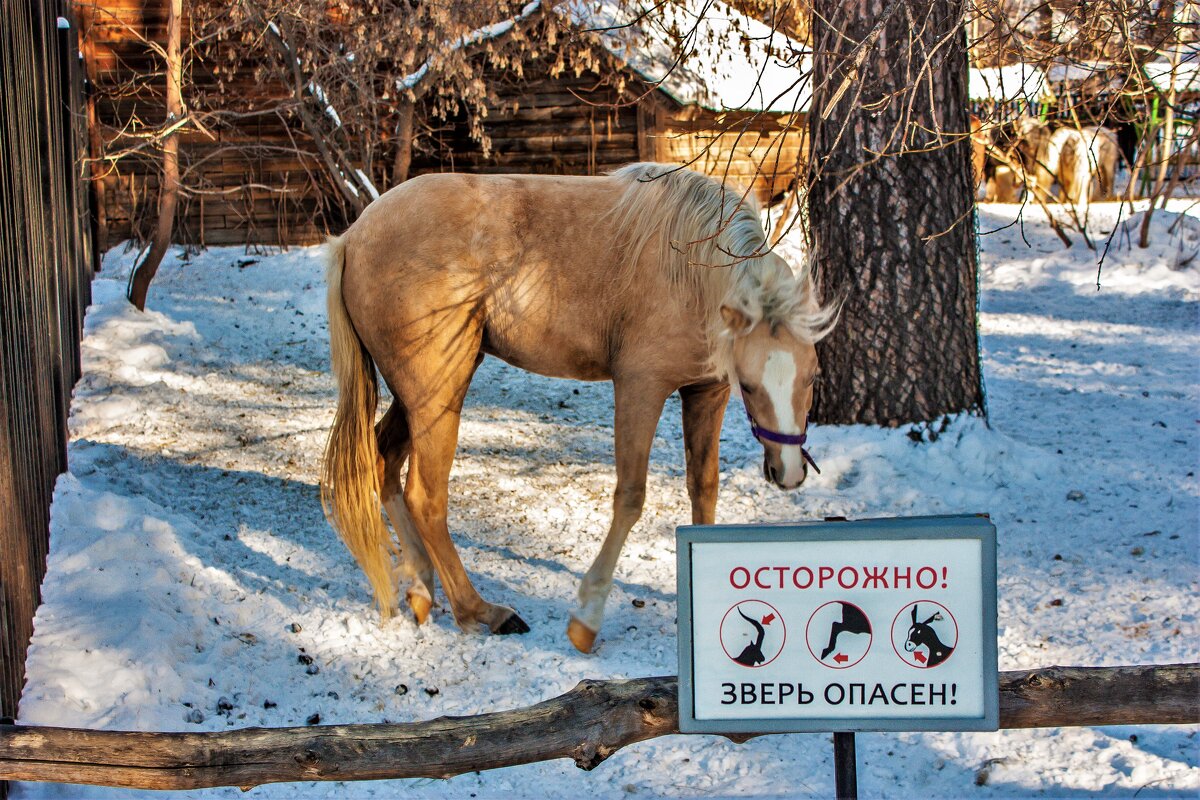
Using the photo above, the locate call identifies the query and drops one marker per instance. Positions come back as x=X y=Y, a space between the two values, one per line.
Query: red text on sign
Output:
x=846 y=577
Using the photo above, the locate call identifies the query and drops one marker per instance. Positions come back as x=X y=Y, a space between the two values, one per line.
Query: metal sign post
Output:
x=845 y=768
x=873 y=625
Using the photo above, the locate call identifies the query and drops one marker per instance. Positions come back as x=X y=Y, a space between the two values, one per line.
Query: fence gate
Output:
x=45 y=273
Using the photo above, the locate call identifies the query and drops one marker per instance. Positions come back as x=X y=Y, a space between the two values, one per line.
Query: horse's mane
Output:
x=707 y=236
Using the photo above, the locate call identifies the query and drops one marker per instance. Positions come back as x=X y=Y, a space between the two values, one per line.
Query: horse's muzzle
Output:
x=775 y=474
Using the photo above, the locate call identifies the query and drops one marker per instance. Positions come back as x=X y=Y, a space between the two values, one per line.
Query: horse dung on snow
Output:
x=654 y=277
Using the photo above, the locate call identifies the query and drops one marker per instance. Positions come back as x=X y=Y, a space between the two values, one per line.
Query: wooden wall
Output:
x=537 y=125
x=761 y=151
x=566 y=125
x=256 y=194
x=252 y=192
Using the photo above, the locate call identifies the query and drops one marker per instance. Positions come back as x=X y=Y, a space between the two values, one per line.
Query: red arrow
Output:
x=919 y=656
x=841 y=659
x=767 y=619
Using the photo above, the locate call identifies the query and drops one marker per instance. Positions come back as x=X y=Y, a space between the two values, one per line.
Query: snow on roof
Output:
x=704 y=53
x=493 y=31
x=1187 y=72
x=1006 y=84
x=1076 y=71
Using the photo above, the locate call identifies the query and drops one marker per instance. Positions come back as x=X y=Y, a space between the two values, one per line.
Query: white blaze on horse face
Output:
x=779 y=381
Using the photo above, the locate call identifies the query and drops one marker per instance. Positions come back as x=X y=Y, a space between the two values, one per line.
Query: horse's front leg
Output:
x=639 y=404
x=703 y=412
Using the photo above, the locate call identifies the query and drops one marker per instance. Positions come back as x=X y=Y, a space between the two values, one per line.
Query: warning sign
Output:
x=872 y=625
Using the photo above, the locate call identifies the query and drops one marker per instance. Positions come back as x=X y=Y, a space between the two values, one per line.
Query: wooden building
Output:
x=722 y=115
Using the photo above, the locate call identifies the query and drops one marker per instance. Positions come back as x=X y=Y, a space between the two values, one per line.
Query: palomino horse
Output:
x=656 y=278
x=1103 y=152
x=980 y=139
x=1070 y=156
x=1056 y=156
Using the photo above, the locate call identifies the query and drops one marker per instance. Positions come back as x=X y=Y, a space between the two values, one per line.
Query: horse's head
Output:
x=919 y=633
x=774 y=370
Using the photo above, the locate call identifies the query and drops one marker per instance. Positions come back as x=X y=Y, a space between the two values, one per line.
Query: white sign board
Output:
x=838 y=626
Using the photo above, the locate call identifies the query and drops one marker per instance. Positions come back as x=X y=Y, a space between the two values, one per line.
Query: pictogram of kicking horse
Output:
x=853 y=621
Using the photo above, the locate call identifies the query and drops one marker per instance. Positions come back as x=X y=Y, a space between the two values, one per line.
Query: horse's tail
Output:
x=350 y=490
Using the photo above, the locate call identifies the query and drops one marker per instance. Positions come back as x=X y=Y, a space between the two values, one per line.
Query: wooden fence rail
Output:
x=587 y=724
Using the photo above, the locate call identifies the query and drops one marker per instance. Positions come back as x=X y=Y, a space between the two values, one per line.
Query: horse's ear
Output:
x=737 y=321
x=914 y=615
x=935 y=618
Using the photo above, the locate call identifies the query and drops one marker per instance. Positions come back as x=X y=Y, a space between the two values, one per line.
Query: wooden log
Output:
x=587 y=725
x=525 y=113
x=1080 y=696
x=265 y=233
x=499 y=127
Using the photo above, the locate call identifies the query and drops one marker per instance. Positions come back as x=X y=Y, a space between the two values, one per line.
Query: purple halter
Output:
x=766 y=435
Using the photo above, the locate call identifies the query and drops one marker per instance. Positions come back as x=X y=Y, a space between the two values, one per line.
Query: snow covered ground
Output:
x=192 y=575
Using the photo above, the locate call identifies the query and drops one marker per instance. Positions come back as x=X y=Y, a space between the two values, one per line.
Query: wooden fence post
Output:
x=44 y=287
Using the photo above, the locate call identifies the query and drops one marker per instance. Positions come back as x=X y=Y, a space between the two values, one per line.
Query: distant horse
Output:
x=1066 y=157
x=990 y=155
x=656 y=278
x=1103 y=152
x=1082 y=162
x=1029 y=138
x=980 y=139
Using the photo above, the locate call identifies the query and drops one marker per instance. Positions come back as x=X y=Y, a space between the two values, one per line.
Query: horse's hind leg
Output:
x=434 y=397
x=416 y=570
x=835 y=630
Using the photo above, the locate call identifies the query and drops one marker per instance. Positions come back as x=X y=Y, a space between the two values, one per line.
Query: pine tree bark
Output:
x=892 y=211
x=168 y=190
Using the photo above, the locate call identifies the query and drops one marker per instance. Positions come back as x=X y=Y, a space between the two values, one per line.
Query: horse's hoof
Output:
x=420 y=605
x=581 y=635
x=514 y=624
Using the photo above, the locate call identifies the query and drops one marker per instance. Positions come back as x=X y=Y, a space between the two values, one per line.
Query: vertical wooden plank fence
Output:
x=45 y=274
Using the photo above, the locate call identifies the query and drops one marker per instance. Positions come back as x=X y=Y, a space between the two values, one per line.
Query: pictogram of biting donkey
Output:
x=920 y=634
x=752 y=654
x=853 y=621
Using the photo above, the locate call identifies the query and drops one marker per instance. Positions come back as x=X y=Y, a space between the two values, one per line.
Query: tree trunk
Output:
x=1164 y=152
x=892 y=210
x=168 y=189
x=404 y=143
